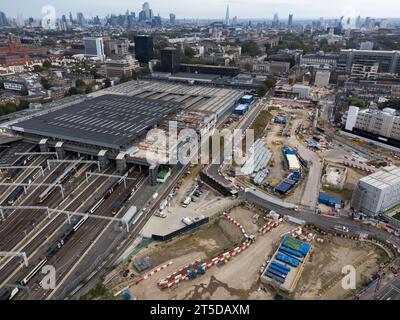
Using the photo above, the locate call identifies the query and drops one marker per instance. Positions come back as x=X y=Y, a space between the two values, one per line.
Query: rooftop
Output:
x=385 y=177
x=110 y=121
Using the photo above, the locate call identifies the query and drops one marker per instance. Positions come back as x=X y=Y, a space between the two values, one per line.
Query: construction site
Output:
x=221 y=260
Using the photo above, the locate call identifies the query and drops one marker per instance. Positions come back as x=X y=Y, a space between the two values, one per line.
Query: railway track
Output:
x=52 y=228
x=81 y=237
x=79 y=243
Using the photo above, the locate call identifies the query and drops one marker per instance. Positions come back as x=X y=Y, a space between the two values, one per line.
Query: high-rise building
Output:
x=290 y=21
x=170 y=60
x=275 y=22
x=146 y=14
x=144 y=48
x=227 y=20
x=3 y=19
x=80 y=19
x=94 y=47
x=157 y=22
x=71 y=20
x=172 y=18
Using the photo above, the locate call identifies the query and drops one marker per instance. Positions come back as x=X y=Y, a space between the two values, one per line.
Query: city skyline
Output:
x=250 y=9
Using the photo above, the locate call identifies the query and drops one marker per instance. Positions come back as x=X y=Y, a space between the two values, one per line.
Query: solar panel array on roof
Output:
x=108 y=121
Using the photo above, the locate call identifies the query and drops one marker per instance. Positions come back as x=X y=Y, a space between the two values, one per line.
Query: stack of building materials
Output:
x=258 y=159
x=142 y=264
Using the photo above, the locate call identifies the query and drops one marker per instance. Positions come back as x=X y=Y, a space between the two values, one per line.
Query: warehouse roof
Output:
x=385 y=177
x=110 y=121
x=294 y=163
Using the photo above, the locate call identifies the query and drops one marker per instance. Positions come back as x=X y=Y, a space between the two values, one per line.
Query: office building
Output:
x=227 y=20
x=121 y=68
x=144 y=48
x=80 y=19
x=146 y=14
x=366 y=45
x=172 y=18
x=322 y=78
x=388 y=61
x=3 y=19
x=378 y=192
x=170 y=60
x=290 y=21
x=380 y=125
x=114 y=47
x=94 y=47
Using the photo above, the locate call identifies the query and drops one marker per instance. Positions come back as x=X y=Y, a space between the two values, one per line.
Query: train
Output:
x=10 y=174
x=64 y=239
x=14 y=195
x=50 y=189
x=122 y=202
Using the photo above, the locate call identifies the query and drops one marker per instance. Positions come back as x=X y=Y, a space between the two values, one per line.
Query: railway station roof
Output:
x=110 y=121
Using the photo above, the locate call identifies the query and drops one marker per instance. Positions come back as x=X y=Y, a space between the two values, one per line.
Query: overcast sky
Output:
x=213 y=9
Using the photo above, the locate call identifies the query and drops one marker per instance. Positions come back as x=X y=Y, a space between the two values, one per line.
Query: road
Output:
x=313 y=183
x=321 y=221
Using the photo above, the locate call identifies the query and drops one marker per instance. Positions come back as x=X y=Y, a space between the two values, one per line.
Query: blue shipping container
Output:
x=286 y=259
x=285 y=272
x=292 y=252
x=272 y=276
x=277 y=273
x=280 y=265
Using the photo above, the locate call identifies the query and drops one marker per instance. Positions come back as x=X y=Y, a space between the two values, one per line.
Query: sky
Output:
x=211 y=9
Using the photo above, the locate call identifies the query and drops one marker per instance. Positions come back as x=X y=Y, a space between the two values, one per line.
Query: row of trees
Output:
x=12 y=107
x=267 y=85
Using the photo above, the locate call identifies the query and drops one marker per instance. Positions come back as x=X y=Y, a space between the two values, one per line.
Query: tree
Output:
x=23 y=104
x=262 y=90
x=270 y=82
x=393 y=103
x=189 y=52
x=24 y=91
x=251 y=48
x=47 y=64
x=47 y=42
x=72 y=91
x=79 y=83
x=1 y=85
x=88 y=90
x=107 y=83
x=45 y=83
x=37 y=68
x=358 y=102
x=248 y=67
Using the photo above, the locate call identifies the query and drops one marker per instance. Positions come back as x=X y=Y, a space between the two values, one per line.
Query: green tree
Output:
x=24 y=91
x=358 y=102
x=45 y=83
x=46 y=64
x=262 y=90
x=270 y=82
x=250 y=48
x=79 y=83
x=37 y=68
x=107 y=83
x=248 y=67
x=47 y=42
x=88 y=90
x=189 y=52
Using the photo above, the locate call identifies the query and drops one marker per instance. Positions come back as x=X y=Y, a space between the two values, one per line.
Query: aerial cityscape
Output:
x=178 y=150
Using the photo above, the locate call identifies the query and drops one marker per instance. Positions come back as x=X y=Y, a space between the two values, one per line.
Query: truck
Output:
x=187 y=221
x=186 y=202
